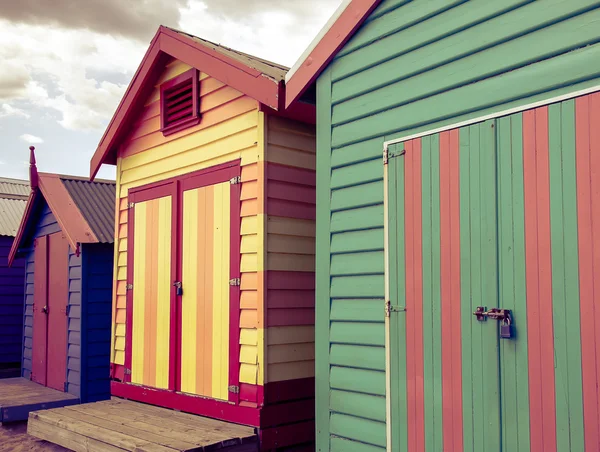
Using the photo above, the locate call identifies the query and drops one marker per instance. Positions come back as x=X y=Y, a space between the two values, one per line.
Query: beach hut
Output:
x=458 y=222
x=13 y=197
x=66 y=238
x=214 y=259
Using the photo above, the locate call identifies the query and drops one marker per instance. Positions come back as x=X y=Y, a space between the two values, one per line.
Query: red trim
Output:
x=165 y=43
x=287 y=435
x=39 y=352
x=330 y=44
x=588 y=213
x=234 y=294
x=414 y=297
x=216 y=409
x=175 y=320
x=538 y=264
x=117 y=372
x=284 y=391
x=452 y=424
x=171 y=85
x=129 y=293
x=22 y=225
x=249 y=393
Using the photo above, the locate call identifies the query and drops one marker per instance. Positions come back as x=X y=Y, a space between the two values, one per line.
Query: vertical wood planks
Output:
x=588 y=216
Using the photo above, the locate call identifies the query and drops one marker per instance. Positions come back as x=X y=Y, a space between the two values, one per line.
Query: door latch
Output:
x=503 y=315
x=178 y=288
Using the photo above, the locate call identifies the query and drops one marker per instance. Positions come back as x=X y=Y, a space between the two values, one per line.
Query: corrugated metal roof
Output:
x=268 y=68
x=13 y=199
x=14 y=187
x=96 y=201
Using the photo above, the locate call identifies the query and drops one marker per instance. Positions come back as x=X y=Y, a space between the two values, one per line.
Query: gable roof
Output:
x=335 y=34
x=13 y=199
x=83 y=209
x=255 y=77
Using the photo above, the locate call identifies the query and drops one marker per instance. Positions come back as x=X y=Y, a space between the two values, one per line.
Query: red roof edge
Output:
x=310 y=66
x=19 y=237
x=65 y=210
x=165 y=43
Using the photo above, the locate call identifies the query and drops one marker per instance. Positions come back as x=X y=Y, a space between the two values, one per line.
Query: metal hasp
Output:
x=504 y=315
x=178 y=288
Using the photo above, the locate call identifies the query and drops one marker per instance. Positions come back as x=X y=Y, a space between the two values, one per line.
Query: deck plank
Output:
x=192 y=420
x=18 y=397
x=122 y=425
x=119 y=440
x=65 y=438
x=145 y=423
x=111 y=422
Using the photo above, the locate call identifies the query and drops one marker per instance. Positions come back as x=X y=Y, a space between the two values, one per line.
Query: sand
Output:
x=14 y=438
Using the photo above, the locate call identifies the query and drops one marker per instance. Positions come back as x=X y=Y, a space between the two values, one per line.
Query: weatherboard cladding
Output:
x=11 y=304
x=96 y=201
x=413 y=66
x=90 y=301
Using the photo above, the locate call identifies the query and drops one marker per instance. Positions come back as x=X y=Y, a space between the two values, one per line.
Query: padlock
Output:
x=506 y=329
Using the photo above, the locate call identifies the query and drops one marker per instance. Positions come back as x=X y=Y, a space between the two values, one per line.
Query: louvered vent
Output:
x=179 y=102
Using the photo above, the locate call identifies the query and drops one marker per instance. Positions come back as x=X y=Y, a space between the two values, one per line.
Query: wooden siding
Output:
x=97 y=265
x=290 y=210
x=12 y=286
x=413 y=66
x=74 y=352
x=228 y=130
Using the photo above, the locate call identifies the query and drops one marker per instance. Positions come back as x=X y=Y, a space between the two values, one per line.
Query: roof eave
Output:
x=245 y=79
x=19 y=236
x=336 y=33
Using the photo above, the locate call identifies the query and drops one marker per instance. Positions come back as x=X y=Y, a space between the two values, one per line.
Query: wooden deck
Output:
x=118 y=425
x=18 y=397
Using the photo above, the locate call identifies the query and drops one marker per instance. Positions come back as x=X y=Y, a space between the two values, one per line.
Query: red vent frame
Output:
x=177 y=110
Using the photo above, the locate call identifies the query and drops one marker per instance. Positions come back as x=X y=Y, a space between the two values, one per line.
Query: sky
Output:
x=65 y=64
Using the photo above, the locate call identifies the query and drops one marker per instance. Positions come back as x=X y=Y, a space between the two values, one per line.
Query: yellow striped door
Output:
x=205 y=300
x=151 y=293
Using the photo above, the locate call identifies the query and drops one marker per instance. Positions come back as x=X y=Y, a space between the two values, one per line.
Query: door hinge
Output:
x=235 y=282
x=129 y=287
x=235 y=180
x=127 y=371
x=68 y=310
x=234 y=389
x=130 y=205
x=65 y=386
x=389 y=308
x=387 y=154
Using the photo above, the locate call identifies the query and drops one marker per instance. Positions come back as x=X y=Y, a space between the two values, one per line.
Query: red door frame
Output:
x=58 y=300
x=40 y=324
x=171 y=398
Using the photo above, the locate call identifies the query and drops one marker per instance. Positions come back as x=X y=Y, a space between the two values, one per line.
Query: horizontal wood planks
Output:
x=118 y=425
x=12 y=283
x=19 y=396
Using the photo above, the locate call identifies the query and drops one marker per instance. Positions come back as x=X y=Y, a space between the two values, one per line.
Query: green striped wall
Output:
x=414 y=66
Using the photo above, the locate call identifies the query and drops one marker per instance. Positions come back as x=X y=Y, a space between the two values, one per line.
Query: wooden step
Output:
x=119 y=425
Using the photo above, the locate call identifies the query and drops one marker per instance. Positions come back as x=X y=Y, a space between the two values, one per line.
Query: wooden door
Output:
x=40 y=308
x=184 y=273
x=443 y=262
x=206 y=271
x=149 y=328
x=57 y=301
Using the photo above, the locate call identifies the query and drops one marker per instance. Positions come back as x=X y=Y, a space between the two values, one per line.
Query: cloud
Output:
x=275 y=30
x=59 y=73
x=7 y=111
x=13 y=80
x=31 y=139
x=137 y=19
